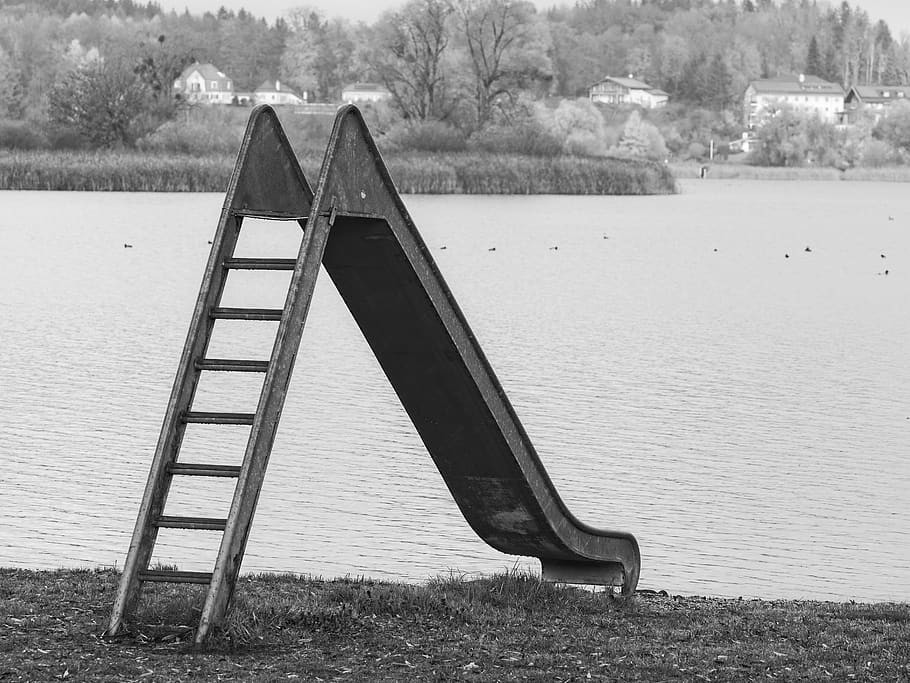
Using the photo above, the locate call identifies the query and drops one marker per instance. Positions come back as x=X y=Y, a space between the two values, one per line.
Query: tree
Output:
x=813 y=59
x=249 y=51
x=641 y=139
x=581 y=127
x=507 y=49
x=100 y=101
x=37 y=58
x=9 y=79
x=408 y=56
x=790 y=140
x=719 y=83
x=158 y=64
x=318 y=55
x=895 y=127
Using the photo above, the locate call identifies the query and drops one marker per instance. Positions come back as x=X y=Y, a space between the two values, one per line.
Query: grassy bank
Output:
x=507 y=627
x=727 y=170
x=448 y=174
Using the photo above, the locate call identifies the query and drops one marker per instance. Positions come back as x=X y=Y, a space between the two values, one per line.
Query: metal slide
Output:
x=386 y=276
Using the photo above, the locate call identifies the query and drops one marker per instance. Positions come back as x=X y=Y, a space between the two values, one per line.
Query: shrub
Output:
x=20 y=135
x=696 y=151
x=528 y=138
x=192 y=138
x=307 y=133
x=423 y=136
x=581 y=126
x=641 y=139
x=876 y=153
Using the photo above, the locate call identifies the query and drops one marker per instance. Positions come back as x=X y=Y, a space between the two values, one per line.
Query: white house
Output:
x=204 y=83
x=364 y=92
x=873 y=100
x=273 y=92
x=805 y=95
x=613 y=90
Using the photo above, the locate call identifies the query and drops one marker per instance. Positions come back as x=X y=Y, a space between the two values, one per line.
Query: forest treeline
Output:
x=494 y=75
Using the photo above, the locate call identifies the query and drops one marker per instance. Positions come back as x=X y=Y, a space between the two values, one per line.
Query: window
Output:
x=214 y=85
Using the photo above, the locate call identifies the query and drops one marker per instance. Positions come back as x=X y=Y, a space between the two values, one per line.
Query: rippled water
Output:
x=746 y=415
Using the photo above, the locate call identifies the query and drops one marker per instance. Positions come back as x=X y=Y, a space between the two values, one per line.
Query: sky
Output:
x=895 y=12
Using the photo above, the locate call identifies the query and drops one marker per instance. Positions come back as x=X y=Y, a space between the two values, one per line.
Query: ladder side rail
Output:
x=172 y=429
x=265 y=425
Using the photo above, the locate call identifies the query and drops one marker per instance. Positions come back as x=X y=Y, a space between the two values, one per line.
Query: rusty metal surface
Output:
x=387 y=277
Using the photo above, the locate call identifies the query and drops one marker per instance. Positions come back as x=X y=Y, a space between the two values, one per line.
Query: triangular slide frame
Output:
x=358 y=228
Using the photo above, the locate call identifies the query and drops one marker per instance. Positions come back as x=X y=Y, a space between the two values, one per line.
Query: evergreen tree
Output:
x=634 y=141
x=719 y=84
x=813 y=60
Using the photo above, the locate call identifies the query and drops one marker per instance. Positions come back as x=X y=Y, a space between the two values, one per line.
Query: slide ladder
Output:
x=357 y=227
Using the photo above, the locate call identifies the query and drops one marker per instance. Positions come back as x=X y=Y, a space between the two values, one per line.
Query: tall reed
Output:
x=468 y=173
x=113 y=172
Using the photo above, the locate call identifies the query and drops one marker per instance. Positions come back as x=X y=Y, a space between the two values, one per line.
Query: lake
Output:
x=724 y=373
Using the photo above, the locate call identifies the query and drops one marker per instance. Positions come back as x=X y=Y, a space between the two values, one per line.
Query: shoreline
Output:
x=734 y=171
x=505 y=627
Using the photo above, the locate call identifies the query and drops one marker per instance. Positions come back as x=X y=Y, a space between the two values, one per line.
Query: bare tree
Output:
x=507 y=48
x=408 y=54
x=318 y=55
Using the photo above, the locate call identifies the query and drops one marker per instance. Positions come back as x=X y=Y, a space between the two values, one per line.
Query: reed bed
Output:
x=113 y=172
x=424 y=174
x=513 y=174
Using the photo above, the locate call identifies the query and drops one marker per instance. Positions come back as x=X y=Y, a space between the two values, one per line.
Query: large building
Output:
x=275 y=92
x=204 y=83
x=804 y=95
x=613 y=90
x=360 y=93
x=873 y=100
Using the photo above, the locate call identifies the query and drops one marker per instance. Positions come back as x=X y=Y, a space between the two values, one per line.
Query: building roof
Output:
x=874 y=94
x=363 y=87
x=630 y=83
x=658 y=92
x=796 y=85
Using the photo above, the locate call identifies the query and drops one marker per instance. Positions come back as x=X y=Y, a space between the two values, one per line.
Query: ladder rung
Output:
x=260 y=263
x=171 y=576
x=223 y=365
x=269 y=215
x=192 y=470
x=199 y=523
x=247 y=313
x=219 y=418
